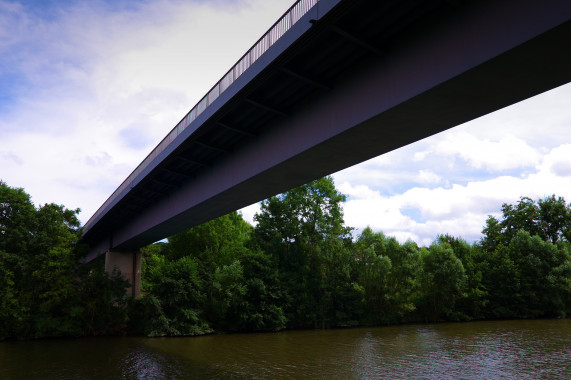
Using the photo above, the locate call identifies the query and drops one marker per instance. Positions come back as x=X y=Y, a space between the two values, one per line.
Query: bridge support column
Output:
x=129 y=263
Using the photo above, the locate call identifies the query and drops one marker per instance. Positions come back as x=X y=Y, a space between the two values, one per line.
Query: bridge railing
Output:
x=290 y=17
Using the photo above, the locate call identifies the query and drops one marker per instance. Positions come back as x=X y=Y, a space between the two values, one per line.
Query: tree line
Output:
x=299 y=267
x=44 y=292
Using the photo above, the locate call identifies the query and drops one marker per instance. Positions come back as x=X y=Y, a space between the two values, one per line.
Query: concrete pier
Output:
x=129 y=263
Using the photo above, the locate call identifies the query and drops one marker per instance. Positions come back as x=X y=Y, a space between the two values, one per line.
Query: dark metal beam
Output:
x=357 y=40
x=152 y=191
x=211 y=147
x=265 y=107
x=192 y=161
x=305 y=79
x=235 y=129
x=129 y=209
x=175 y=172
x=142 y=198
x=164 y=183
x=454 y=3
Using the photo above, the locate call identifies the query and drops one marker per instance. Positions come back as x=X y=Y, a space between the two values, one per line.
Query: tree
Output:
x=542 y=290
x=216 y=247
x=501 y=280
x=102 y=299
x=387 y=273
x=262 y=310
x=174 y=306
x=554 y=219
x=42 y=286
x=442 y=280
x=493 y=235
x=38 y=262
x=549 y=218
x=231 y=292
x=303 y=230
x=305 y=216
x=53 y=257
x=152 y=256
x=11 y=313
x=472 y=304
x=213 y=242
x=17 y=214
x=523 y=259
x=522 y=216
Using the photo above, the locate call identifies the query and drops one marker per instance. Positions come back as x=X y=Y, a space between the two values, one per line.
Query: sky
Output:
x=89 y=88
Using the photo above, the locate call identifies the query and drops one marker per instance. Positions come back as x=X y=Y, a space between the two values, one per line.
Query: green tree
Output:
x=11 y=311
x=305 y=216
x=549 y=218
x=152 y=256
x=174 y=306
x=262 y=306
x=472 y=304
x=554 y=219
x=541 y=291
x=303 y=230
x=216 y=247
x=102 y=299
x=17 y=214
x=442 y=281
x=523 y=259
x=213 y=243
x=492 y=234
x=39 y=259
x=522 y=216
x=218 y=302
x=501 y=279
x=42 y=285
x=387 y=272
x=55 y=296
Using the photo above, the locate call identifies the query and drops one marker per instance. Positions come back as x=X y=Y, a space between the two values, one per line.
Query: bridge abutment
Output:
x=129 y=263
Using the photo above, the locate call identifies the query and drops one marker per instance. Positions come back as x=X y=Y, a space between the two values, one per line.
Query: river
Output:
x=519 y=349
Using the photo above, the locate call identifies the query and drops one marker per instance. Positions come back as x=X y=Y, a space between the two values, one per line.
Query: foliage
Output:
x=474 y=300
x=442 y=281
x=297 y=268
x=387 y=273
x=43 y=290
x=549 y=218
x=261 y=302
x=102 y=299
x=304 y=230
x=174 y=306
x=524 y=260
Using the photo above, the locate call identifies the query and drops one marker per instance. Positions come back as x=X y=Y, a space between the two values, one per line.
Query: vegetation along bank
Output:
x=299 y=267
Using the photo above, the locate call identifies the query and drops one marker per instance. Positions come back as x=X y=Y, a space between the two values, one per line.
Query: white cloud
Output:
x=541 y=121
x=249 y=212
x=509 y=152
x=419 y=156
x=421 y=213
x=428 y=177
x=558 y=161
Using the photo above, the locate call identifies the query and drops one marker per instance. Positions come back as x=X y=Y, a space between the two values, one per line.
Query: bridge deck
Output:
x=348 y=81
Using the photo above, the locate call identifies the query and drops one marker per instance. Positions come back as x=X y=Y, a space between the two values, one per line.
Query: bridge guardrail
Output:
x=290 y=17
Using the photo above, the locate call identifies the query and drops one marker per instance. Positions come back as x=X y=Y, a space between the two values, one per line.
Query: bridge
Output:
x=331 y=84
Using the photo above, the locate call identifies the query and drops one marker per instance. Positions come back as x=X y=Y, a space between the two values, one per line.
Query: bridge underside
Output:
x=355 y=83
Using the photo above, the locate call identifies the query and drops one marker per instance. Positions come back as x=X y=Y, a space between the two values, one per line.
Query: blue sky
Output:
x=88 y=88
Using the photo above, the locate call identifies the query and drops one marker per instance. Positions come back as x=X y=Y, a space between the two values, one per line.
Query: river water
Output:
x=538 y=349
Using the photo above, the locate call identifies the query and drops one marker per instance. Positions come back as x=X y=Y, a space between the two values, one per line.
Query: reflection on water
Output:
x=479 y=350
